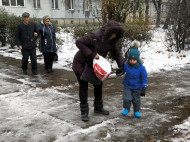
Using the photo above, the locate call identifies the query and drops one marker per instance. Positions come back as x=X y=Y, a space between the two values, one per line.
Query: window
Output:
x=13 y=2
x=20 y=2
x=163 y=8
x=36 y=3
x=55 y=4
x=137 y=6
x=5 y=2
x=87 y=5
x=71 y=5
x=131 y=6
x=134 y=6
x=154 y=8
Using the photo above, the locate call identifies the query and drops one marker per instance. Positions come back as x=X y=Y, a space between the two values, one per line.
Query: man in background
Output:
x=25 y=39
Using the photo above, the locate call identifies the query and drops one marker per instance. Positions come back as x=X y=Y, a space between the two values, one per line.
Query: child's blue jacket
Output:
x=135 y=78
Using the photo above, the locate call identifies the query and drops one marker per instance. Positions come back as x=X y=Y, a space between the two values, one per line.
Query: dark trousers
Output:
x=131 y=96
x=48 y=60
x=26 y=53
x=83 y=94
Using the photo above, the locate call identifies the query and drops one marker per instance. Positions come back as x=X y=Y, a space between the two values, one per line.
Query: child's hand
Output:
x=35 y=34
x=143 y=92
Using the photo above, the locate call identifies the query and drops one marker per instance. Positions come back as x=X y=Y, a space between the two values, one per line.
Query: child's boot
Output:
x=125 y=112
x=137 y=114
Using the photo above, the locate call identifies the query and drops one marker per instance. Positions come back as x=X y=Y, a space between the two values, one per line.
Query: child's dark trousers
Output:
x=132 y=96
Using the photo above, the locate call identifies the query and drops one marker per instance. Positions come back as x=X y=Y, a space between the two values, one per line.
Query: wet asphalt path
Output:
x=46 y=107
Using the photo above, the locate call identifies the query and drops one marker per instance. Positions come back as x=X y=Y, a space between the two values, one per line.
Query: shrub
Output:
x=137 y=29
x=134 y=30
x=3 y=23
x=11 y=29
x=82 y=30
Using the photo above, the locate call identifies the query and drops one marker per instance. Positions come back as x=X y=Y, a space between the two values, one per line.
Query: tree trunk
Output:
x=104 y=18
x=158 y=5
x=134 y=9
x=169 y=14
x=158 y=19
x=146 y=11
x=176 y=20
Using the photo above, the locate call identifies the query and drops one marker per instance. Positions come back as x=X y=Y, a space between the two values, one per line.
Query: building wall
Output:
x=152 y=12
x=63 y=11
x=81 y=9
x=64 y=15
x=45 y=9
x=77 y=15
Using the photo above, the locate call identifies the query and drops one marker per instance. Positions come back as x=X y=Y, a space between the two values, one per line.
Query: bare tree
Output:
x=169 y=15
x=146 y=11
x=115 y=10
x=180 y=31
x=134 y=9
x=158 y=4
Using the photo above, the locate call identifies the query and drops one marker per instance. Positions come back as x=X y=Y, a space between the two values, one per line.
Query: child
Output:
x=135 y=83
x=135 y=45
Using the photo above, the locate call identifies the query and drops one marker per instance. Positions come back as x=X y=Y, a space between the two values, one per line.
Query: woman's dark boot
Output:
x=84 y=112
x=98 y=108
x=84 y=117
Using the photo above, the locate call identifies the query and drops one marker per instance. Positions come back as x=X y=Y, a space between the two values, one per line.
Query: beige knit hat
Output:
x=45 y=18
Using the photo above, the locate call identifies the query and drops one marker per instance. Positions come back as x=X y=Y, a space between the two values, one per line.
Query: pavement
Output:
x=45 y=108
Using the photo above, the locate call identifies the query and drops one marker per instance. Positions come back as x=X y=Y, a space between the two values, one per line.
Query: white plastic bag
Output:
x=102 y=68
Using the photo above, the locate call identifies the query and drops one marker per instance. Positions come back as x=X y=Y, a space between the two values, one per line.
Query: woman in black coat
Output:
x=106 y=40
x=47 y=42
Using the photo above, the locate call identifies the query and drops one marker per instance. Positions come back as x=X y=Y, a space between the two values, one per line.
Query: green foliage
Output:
x=55 y=25
x=11 y=29
x=35 y=20
x=134 y=30
x=3 y=23
x=137 y=29
x=80 y=30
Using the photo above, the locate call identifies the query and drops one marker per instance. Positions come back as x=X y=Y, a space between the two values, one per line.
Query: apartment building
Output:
x=66 y=12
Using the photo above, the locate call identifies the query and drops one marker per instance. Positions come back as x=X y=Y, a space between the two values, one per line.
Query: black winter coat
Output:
x=104 y=45
x=25 y=35
x=47 y=38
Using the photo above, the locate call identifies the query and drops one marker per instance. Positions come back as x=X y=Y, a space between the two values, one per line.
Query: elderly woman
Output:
x=47 y=42
x=106 y=40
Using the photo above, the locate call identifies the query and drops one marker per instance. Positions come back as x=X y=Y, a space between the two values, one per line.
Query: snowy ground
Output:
x=156 y=58
x=182 y=131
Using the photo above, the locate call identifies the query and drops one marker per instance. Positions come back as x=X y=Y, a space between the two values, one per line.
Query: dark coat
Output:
x=104 y=45
x=25 y=35
x=47 y=38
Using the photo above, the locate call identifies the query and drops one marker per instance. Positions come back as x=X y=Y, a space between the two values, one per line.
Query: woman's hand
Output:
x=119 y=72
x=20 y=47
x=96 y=57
